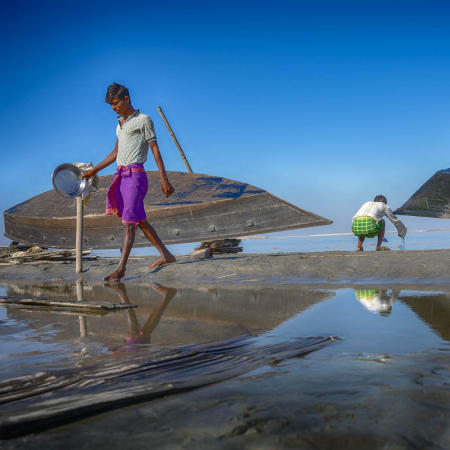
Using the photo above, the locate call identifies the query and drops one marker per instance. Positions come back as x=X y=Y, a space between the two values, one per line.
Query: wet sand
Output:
x=329 y=399
x=315 y=402
x=432 y=266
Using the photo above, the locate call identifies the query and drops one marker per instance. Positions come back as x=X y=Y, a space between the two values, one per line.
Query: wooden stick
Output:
x=174 y=139
x=79 y=236
x=106 y=306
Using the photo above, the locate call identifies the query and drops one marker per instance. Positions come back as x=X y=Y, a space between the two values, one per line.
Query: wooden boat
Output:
x=202 y=208
x=432 y=199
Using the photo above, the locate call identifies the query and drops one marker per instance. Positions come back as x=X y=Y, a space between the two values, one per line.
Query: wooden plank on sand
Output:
x=75 y=305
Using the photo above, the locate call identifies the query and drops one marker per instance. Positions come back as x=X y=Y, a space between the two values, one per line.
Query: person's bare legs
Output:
x=128 y=240
x=150 y=234
x=359 y=247
x=380 y=237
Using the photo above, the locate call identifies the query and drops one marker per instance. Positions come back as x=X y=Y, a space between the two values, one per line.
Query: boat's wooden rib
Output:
x=432 y=199
x=33 y=403
x=203 y=207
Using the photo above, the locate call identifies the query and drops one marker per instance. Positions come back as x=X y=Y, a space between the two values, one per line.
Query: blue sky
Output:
x=322 y=103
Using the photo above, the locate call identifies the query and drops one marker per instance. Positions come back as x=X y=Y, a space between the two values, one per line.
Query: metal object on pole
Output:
x=68 y=182
x=183 y=156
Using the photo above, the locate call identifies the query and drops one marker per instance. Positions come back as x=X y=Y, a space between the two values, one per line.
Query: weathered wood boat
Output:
x=432 y=199
x=202 y=208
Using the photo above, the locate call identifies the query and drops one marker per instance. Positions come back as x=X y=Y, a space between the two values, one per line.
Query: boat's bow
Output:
x=432 y=199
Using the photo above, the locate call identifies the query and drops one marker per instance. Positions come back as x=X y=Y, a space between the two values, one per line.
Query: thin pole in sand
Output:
x=183 y=156
x=79 y=236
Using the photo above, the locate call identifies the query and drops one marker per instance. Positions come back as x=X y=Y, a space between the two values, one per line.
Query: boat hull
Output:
x=432 y=199
x=202 y=208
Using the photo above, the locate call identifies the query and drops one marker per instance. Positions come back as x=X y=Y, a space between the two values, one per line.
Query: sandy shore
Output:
x=422 y=267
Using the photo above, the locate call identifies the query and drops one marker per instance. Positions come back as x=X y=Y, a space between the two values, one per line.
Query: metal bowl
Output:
x=67 y=181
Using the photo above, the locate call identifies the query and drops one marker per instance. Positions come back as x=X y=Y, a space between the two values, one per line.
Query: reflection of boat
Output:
x=432 y=199
x=435 y=311
x=203 y=207
x=193 y=315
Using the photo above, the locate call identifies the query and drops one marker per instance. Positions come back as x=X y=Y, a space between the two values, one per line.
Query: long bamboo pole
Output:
x=183 y=156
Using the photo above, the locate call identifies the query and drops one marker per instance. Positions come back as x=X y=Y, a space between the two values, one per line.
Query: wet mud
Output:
x=385 y=384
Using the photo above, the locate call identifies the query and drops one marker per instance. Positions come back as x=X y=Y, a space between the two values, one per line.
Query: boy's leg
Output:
x=150 y=234
x=359 y=247
x=128 y=240
x=380 y=236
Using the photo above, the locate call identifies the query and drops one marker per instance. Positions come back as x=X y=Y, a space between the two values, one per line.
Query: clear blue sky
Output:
x=322 y=103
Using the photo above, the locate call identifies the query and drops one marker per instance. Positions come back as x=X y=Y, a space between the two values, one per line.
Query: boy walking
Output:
x=368 y=222
x=125 y=197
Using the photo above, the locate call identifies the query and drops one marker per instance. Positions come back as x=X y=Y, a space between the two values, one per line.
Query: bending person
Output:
x=368 y=222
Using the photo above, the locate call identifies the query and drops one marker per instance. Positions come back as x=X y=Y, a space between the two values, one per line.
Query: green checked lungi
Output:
x=366 y=227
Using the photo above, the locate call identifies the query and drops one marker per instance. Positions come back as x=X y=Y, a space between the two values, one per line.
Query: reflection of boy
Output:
x=138 y=335
x=126 y=194
x=368 y=222
x=377 y=300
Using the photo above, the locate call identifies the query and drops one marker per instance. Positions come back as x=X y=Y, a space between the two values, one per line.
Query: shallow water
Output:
x=372 y=322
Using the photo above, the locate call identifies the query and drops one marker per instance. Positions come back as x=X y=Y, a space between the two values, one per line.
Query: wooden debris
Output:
x=222 y=245
x=32 y=254
x=75 y=305
x=35 y=402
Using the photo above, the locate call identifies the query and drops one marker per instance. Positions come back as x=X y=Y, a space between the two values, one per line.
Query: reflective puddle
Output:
x=372 y=322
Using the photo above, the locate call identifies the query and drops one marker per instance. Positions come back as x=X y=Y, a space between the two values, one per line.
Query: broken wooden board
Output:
x=47 y=399
x=75 y=305
x=203 y=208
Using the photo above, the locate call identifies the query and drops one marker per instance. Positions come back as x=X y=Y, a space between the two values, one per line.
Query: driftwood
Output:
x=37 y=254
x=46 y=399
x=75 y=305
x=222 y=245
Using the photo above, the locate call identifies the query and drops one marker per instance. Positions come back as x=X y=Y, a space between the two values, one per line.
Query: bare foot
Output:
x=115 y=276
x=163 y=261
x=359 y=249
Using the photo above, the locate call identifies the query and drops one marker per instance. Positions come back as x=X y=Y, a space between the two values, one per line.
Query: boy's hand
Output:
x=88 y=173
x=166 y=187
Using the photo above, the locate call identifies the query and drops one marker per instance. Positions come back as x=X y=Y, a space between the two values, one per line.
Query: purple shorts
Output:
x=127 y=192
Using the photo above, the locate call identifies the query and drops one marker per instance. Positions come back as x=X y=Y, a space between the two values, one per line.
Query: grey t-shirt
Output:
x=134 y=135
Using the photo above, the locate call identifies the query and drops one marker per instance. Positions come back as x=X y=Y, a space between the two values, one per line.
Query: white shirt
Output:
x=377 y=210
x=133 y=135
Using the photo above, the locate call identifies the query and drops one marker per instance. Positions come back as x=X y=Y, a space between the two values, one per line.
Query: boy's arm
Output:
x=166 y=187
x=401 y=228
x=100 y=166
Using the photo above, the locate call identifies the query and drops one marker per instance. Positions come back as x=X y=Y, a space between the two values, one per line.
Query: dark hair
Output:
x=380 y=198
x=116 y=90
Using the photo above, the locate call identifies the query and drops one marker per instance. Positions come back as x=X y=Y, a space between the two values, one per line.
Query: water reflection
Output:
x=435 y=311
x=38 y=338
x=377 y=301
x=136 y=334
